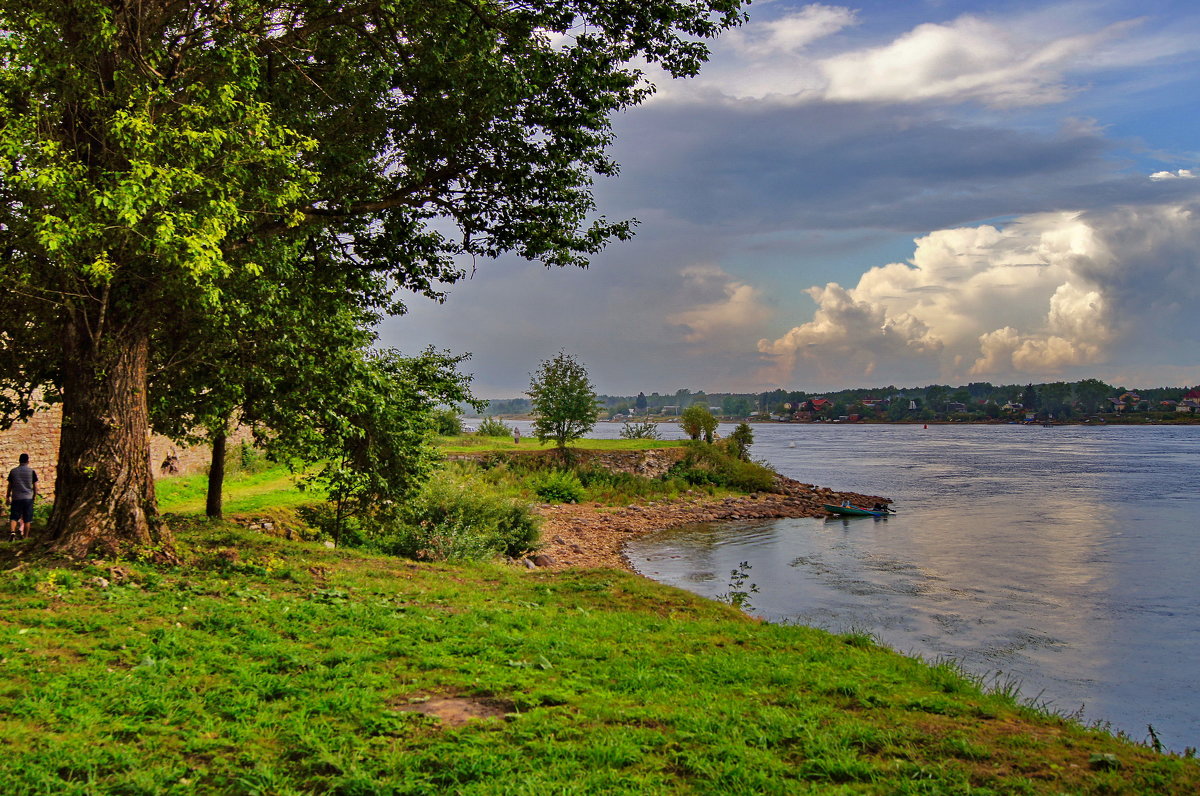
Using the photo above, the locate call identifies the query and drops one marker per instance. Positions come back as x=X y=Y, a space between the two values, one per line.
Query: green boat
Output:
x=855 y=511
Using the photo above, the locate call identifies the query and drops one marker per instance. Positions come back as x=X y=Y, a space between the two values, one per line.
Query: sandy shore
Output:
x=591 y=535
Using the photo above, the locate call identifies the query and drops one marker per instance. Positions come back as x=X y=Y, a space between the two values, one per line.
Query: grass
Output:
x=244 y=493
x=275 y=667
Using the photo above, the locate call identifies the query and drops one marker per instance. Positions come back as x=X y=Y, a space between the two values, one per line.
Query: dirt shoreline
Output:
x=594 y=536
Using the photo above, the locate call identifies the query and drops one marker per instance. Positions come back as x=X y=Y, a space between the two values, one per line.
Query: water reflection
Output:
x=1062 y=558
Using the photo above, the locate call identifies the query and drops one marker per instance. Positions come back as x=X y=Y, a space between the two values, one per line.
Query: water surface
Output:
x=1064 y=558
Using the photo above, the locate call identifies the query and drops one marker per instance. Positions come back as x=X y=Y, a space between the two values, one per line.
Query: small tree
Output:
x=696 y=420
x=740 y=441
x=564 y=401
x=639 y=431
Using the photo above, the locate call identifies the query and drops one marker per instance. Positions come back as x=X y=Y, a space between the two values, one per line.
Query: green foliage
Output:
x=558 y=486
x=446 y=423
x=740 y=441
x=713 y=465
x=697 y=421
x=563 y=400
x=375 y=445
x=493 y=427
x=246 y=458
x=639 y=431
x=185 y=177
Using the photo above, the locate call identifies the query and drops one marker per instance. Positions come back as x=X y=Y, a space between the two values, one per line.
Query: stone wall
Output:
x=39 y=438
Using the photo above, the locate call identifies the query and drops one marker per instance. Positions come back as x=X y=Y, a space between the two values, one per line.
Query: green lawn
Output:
x=243 y=493
x=272 y=667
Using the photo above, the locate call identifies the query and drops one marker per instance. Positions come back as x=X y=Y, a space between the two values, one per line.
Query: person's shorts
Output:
x=22 y=510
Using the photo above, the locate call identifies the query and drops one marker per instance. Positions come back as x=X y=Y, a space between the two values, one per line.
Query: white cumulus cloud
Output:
x=1181 y=174
x=1038 y=297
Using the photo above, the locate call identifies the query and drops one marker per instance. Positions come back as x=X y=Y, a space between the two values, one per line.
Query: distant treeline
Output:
x=1060 y=399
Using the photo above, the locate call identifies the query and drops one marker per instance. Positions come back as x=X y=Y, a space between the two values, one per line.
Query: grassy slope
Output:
x=283 y=667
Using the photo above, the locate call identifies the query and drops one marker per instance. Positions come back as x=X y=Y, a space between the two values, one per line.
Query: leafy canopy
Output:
x=697 y=421
x=184 y=156
x=564 y=401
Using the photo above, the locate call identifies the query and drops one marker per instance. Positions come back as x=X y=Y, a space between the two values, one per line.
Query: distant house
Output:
x=1012 y=406
x=869 y=402
x=670 y=410
x=1128 y=400
x=1188 y=405
x=955 y=407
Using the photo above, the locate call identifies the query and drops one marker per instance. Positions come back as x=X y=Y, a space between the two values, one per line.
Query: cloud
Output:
x=791 y=33
x=968 y=59
x=1181 y=174
x=1041 y=296
x=1021 y=60
x=739 y=307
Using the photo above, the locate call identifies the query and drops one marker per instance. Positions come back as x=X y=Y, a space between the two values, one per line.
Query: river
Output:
x=1064 y=559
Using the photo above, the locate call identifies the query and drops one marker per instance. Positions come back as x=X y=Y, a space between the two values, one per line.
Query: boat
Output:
x=856 y=511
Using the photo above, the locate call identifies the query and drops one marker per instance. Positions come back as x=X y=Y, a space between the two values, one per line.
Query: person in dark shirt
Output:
x=22 y=489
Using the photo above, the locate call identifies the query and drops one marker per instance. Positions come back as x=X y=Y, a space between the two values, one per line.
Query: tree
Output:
x=1029 y=398
x=736 y=406
x=563 y=399
x=741 y=439
x=157 y=158
x=641 y=403
x=374 y=442
x=697 y=421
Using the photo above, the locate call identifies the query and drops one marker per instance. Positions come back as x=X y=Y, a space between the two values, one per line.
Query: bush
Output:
x=715 y=465
x=444 y=523
x=447 y=423
x=558 y=486
x=493 y=427
x=640 y=431
x=246 y=458
x=740 y=441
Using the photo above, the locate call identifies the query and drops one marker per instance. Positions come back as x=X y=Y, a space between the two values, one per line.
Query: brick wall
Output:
x=39 y=438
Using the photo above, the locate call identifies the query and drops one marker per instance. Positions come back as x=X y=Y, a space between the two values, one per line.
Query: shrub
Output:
x=740 y=441
x=645 y=430
x=446 y=523
x=246 y=458
x=558 y=486
x=447 y=423
x=493 y=427
x=714 y=465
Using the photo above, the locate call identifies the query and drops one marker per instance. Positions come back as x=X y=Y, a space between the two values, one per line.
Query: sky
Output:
x=907 y=193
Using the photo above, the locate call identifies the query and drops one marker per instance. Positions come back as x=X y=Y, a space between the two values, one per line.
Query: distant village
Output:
x=1088 y=401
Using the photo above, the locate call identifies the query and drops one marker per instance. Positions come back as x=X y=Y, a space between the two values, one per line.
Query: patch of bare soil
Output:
x=457 y=711
x=594 y=536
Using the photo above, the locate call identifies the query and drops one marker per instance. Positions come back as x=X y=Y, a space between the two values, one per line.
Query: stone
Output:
x=98 y=582
x=543 y=560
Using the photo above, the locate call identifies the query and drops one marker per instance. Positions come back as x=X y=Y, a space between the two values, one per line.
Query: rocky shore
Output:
x=591 y=535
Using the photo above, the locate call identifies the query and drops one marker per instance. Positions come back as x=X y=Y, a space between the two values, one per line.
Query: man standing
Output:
x=22 y=489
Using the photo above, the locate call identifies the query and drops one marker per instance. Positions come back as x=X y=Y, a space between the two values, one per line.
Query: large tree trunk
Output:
x=104 y=490
x=216 y=476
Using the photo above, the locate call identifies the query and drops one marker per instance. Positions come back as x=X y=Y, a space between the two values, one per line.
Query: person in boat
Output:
x=879 y=507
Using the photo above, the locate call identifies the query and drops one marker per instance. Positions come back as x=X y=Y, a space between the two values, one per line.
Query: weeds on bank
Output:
x=264 y=666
